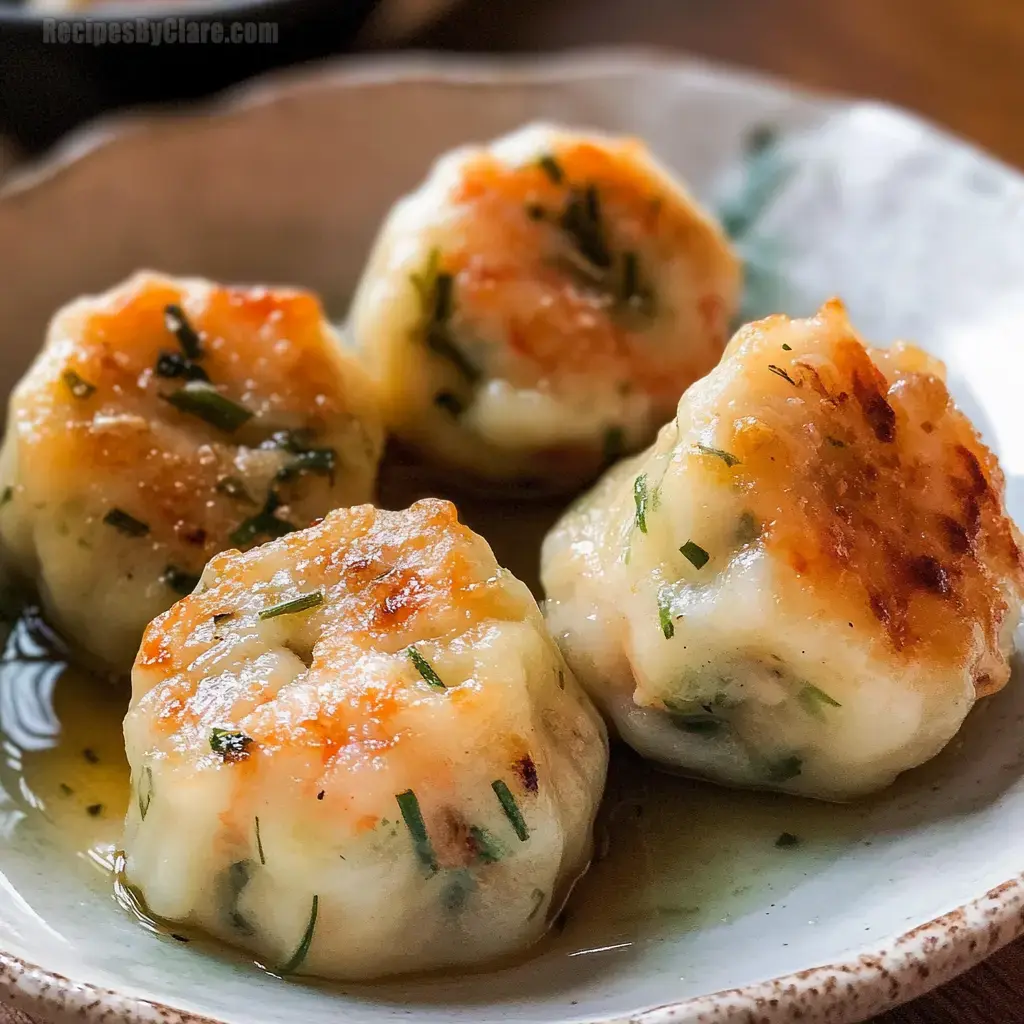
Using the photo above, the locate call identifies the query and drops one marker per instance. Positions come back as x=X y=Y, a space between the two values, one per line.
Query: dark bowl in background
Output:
x=47 y=88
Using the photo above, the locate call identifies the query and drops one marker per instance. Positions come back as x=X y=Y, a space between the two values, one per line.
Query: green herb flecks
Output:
x=456 y=893
x=727 y=457
x=511 y=809
x=230 y=744
x=582 y=223
x=202 y=400
x=125 y=523
x=787 y=348
x=94 y=810
x=486 y=849
x=263 y=524
x=699 y=724
x=77 y=385
x=834 y=441
x=780 y=372
x=814 y=701
x=640 y=499
x=633 y=293
x=259 y=842
x=188 y=337
x=747 y=529
x=425 y=669
x=231 y=883
x=302 y=949
x=180 y=581
x=7 y=495
x=552 y=168
x=784 y=769
x=436 y=290
x=171 y=365
x=413 y=818
x=787 y=840
x=537 y=898
x=694 y=554
x=294 y=606
x=308 y=457
x=145 y=791
x=665 y=613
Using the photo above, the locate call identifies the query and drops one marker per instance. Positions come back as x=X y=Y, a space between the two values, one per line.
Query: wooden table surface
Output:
x=958 y=62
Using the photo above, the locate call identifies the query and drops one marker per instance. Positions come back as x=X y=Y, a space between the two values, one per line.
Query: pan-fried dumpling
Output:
x=808 y=580
x=356 y=751
x=162 y=422
x=536 y=308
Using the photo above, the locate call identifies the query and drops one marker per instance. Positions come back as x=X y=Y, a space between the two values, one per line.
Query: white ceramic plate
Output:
x=696 y=916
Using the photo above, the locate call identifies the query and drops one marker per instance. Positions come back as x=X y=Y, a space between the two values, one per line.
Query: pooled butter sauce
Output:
x=671 y=854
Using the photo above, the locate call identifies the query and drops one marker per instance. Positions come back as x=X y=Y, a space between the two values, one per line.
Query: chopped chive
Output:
x=786 y=840
x=94 y=810
x=747 y=528
x=727 y=457
x=780 y=372
x=170 y=365
x=145 y=791
x=537 y=896
x=91 y=756
x=695 y=554
x=264 y=523
x=787 y=348
x=640 y=500
x=511 y=809
x=78 y=386
x=66 y=789
x=633 y=293
x=232 y=746
x=202 y=400
x=665 y=613
x=614 y=444
x=178 y=324
x=413 y=818
x=6 y=496
x=814 y=701
x=233 y=488
x=233 y=880
x=835 y=442
x=581 y=222
x=307 y=939
x=700 y=725
x=127 y=524
x=485 y=848
x=259 y=842
x=785 y=769
x=180 y=581
x=439 y=341
x=552 y=168
x=424 y=668
x=315 y=460
x=298 y=604
x=179 y=938
x=456 y=893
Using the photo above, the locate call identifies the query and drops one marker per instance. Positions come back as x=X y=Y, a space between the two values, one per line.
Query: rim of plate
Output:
x=878 y=977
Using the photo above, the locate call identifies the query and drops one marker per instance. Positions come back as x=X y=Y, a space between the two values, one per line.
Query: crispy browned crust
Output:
x=876 y=491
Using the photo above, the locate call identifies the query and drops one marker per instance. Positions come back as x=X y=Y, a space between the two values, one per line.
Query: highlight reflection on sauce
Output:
x=671 y=855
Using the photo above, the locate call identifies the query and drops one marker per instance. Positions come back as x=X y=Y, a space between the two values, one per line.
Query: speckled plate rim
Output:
x=878 y=977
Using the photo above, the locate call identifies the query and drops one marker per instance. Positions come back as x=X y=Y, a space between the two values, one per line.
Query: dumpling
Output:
x=165 y=421
x=537 y=306
x=808 y=580
x=356 y=751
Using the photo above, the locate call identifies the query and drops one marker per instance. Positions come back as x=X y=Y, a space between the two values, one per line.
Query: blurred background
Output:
x=955 y=61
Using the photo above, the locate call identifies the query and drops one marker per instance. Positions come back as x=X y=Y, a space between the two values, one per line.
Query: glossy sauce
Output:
x=671 y=854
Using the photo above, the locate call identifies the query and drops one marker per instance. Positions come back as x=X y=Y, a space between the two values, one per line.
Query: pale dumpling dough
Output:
x=808 y=580
x=357 y=751
x=535 y=309
x=162 y=422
